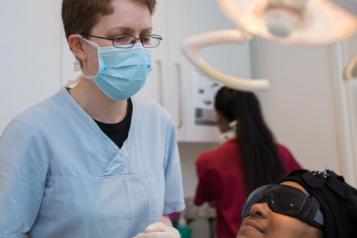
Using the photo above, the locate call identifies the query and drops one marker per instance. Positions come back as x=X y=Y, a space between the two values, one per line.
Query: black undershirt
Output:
x=118 y=132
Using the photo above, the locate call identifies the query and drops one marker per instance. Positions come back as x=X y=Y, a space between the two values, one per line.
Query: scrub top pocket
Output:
x=154 y=184
x=95 y=207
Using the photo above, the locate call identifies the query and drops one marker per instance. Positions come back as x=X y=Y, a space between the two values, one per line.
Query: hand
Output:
x=159 y=230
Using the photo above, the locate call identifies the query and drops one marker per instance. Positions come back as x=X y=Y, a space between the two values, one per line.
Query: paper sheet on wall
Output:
x=205 y=90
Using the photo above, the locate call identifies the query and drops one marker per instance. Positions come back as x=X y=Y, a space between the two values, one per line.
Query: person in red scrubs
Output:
x=248 y=158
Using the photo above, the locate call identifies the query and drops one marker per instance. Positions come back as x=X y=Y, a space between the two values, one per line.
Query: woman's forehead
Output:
x=127 y=14
x=295 y=185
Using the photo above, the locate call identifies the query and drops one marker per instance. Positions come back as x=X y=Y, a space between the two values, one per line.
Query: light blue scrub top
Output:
x=61 y=176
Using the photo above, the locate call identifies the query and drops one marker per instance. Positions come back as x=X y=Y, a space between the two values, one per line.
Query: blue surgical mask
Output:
x=122 y=72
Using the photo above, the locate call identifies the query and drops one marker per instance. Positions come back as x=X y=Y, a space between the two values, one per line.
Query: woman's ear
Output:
x=77 y=47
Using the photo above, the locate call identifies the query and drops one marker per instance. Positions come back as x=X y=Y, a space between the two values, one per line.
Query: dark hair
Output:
x=259 y=155
x=337 y=199
x=79 y=16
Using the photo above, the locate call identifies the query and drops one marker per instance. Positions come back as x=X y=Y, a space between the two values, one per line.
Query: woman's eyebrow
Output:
x=146 y=31
x=127 y=30
x=120 y=30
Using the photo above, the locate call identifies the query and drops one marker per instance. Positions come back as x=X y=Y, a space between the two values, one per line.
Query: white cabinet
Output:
x=173 y=82
x=30 y=55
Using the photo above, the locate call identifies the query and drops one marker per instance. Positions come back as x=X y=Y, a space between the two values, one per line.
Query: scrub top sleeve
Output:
x=23 y=170
x=174 y=201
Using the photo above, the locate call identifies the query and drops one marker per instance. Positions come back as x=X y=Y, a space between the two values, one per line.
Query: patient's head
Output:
x=305 y=204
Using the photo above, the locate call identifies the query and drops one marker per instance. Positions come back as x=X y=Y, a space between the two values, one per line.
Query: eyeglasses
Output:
x=287 y=201
x=128 y=41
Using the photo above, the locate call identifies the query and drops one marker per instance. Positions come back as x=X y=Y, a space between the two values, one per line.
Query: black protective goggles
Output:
x=288 y=201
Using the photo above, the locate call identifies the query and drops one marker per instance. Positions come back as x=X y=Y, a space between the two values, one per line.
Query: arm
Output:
x=173 y=197
x=173 y=191
x=166 y=220
x=22 y=180
x=209 y=183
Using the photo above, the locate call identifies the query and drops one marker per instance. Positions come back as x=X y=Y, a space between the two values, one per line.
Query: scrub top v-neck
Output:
x=61 y=176
x=118 y=132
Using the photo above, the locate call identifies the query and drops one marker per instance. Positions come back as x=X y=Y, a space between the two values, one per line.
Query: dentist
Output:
x=91 y=161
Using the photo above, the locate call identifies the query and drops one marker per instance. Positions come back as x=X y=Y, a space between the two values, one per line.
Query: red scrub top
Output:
x=221 y=181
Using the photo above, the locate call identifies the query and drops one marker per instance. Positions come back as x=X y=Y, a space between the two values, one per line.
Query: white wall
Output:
x=299 y=107
x=346 y=107
x=30 y=54
x=189 y=153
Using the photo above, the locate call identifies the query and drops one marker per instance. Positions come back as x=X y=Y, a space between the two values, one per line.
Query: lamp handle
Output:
x=192 y=48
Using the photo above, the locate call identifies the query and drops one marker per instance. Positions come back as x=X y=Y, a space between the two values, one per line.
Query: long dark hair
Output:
x=259 y=155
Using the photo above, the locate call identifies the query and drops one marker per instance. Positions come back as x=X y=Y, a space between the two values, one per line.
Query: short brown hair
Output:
x=79 y=16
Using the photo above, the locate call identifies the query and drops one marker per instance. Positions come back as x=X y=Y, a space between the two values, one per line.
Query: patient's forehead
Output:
x=295 y=185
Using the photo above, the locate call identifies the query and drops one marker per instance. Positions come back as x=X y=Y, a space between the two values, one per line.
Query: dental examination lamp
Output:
x=297 y=22
x=304 y=22
x=347 y=5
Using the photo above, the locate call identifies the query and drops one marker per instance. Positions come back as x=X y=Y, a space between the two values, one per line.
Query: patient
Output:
x=306 y=204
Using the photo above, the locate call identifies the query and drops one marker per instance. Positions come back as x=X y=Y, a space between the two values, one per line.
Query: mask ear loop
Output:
x=95 y=45
x=77 y=66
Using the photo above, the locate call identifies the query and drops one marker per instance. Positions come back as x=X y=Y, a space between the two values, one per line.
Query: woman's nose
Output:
x=260 y=210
